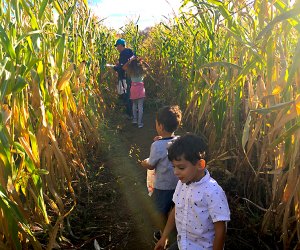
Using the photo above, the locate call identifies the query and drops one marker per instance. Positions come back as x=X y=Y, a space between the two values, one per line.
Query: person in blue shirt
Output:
x=124 y=82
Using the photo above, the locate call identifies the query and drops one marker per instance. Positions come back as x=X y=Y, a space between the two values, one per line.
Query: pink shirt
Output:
x=137 y=90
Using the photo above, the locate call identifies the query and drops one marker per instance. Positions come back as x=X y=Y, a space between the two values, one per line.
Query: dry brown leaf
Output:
x=65 y=78
x=6 y=113
x=261 y=90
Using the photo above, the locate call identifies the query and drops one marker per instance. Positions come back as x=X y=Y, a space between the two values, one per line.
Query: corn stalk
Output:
x=50 y=109
x=234 y=66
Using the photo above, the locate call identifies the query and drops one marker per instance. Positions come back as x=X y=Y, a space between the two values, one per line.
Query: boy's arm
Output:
x=154 y=157
x=220 y=231
x=168 y=229
x=146 y=164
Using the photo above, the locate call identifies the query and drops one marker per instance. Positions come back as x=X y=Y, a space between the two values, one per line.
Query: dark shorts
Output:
x=174 y=246
x=163 y=200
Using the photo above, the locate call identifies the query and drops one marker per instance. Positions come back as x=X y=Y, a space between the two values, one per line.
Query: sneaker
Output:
x=141 y=125
x=134 y=122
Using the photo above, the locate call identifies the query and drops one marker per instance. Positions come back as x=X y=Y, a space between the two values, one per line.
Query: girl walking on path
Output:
x=135 y=69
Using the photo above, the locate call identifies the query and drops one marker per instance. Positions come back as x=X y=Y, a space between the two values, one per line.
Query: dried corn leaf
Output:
x=65 y=78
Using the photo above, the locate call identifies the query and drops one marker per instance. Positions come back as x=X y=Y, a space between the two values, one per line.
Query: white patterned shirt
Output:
x=197 y=206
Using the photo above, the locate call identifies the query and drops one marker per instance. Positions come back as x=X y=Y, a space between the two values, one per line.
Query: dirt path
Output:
x=115 y=209
x=134 y=146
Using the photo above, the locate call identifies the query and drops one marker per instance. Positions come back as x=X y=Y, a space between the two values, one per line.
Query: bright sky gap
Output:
x=119 y=12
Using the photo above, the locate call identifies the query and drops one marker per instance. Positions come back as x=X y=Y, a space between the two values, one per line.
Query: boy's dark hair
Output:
x=191 y=147
x=169 y=117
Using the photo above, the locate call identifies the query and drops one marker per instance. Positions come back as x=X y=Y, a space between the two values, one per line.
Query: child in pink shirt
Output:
x=136 y=71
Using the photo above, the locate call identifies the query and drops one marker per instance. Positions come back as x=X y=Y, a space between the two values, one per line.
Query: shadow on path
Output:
x=131 y=145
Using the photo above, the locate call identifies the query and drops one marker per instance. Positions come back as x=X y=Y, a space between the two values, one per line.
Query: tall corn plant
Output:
x=131 y=33
x=48 y=68
x=235 y=67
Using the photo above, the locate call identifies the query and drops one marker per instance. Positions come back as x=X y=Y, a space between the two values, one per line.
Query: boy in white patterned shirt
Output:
x=201 y=209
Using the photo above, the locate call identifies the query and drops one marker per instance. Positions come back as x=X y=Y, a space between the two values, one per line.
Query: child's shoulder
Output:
x=159 y=144
x=212 y=187
x=163 y=143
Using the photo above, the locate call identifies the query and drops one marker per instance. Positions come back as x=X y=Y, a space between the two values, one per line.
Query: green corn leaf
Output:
x=60 y=50
x=5 y=158
x=68 y=14
x=273 y=108
x=14 y=216
x=284 y=16
x=26 y=36
x=20 y=84
x=12 y=224
x=2 y=65
x=31 y=64
x=42 y=8
x=4 y=86
x=35 y=175
x=7 y=43
x=33 y=21
x=58 y=7
x=16 y=7
x=5 y=137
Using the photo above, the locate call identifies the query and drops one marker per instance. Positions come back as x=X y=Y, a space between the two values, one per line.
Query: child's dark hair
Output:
x=136 y=68
x=191 y=147
x=169 y=117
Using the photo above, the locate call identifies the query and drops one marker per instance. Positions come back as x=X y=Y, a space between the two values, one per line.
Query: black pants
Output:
x=174 y=246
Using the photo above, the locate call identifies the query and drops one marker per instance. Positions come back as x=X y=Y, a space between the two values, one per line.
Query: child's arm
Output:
x=154 y=157
x=146 y=164
x=220 y=231
x=168 y=229
x=125 y=66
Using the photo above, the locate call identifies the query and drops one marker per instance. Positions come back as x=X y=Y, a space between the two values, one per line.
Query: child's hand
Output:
x=156 y=138
x=144 y=163
x=160 y=244
x=132 y=58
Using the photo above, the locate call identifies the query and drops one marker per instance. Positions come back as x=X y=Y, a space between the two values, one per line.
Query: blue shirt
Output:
x=165 y=178
x=123 y=58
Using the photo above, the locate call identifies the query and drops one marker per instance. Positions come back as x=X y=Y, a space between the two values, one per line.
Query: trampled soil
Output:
x=116 y=211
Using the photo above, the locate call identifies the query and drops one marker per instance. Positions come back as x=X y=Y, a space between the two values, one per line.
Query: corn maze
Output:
x=233 y=66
